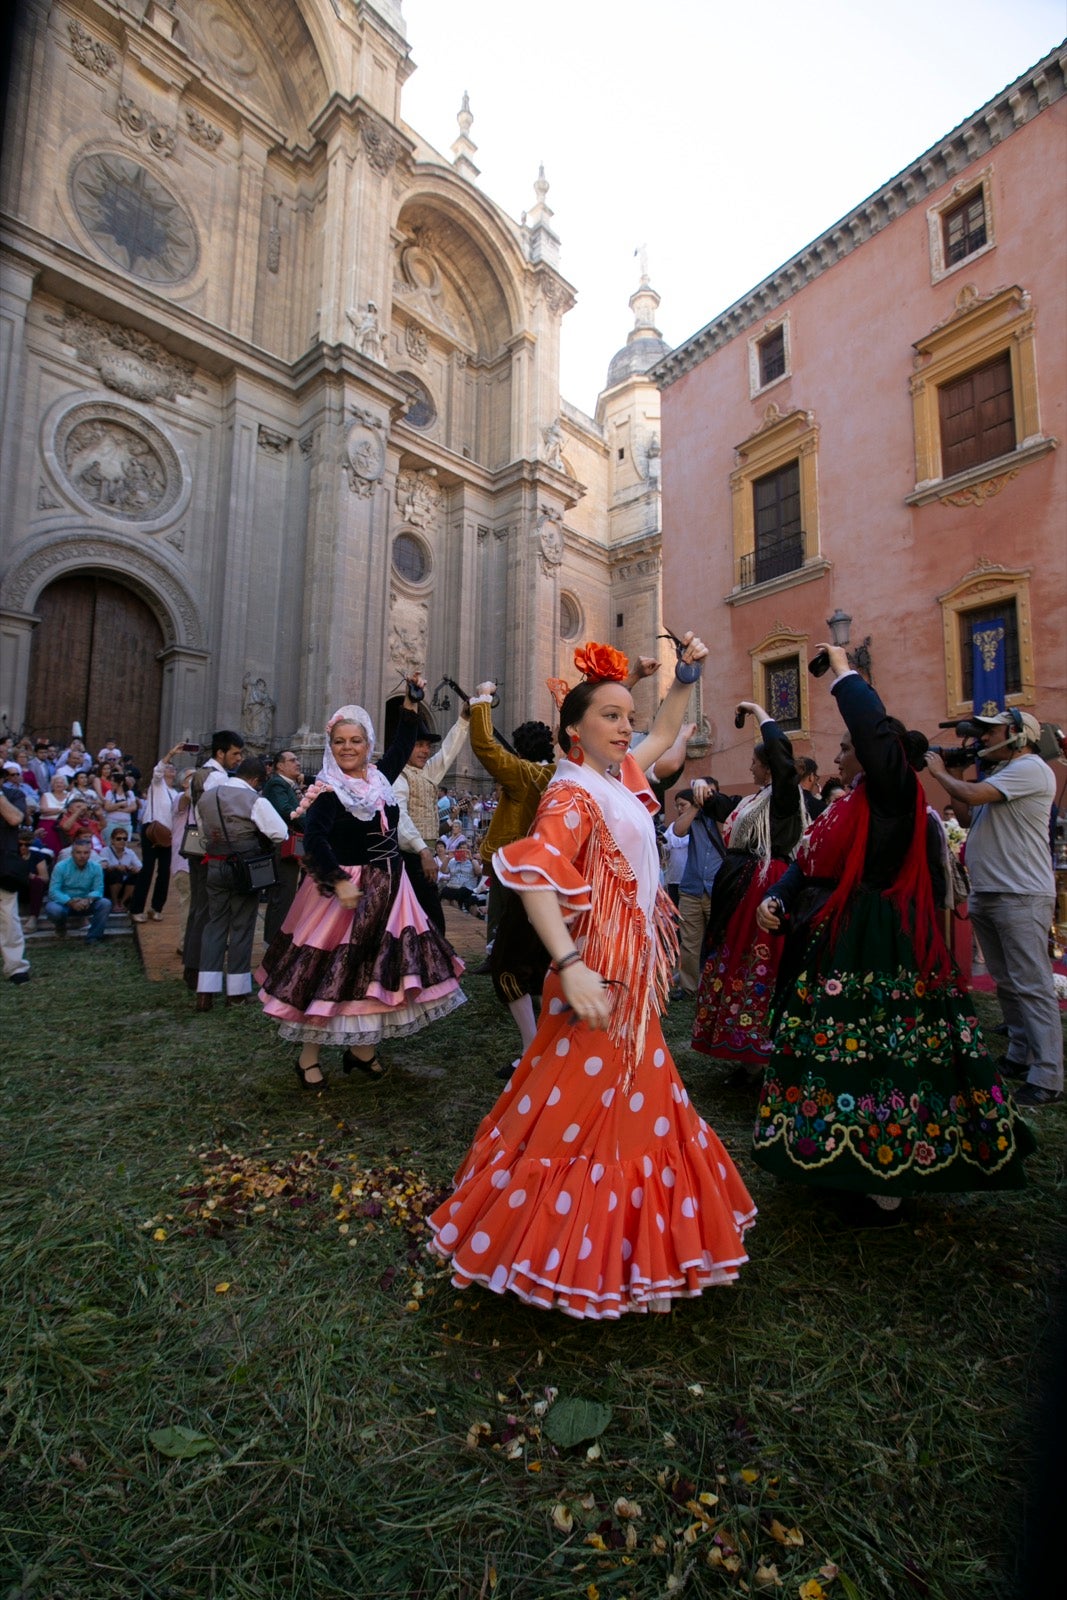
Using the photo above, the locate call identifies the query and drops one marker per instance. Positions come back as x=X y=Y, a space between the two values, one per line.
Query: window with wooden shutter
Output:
x=772 y=356
x=977 y=416
x=776 y=513
x=964 y=228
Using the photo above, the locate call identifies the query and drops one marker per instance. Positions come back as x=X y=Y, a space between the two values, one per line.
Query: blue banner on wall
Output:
x=988 y=654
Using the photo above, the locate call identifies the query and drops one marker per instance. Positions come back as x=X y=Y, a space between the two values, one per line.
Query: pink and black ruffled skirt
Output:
x=380 y=971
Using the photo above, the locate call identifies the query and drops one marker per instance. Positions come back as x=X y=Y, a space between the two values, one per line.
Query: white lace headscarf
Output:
x=365 y=798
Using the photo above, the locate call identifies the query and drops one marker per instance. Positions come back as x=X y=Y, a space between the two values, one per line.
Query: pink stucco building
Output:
x=878 y=429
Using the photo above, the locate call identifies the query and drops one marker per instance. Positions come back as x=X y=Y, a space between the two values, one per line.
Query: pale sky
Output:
x=722 y=136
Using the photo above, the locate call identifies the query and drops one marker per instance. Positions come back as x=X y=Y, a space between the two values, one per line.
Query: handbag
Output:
x=158 y=834
x=192 y=846
x=293 y=848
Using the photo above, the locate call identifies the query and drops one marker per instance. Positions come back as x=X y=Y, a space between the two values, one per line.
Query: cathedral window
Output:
x=411 y=560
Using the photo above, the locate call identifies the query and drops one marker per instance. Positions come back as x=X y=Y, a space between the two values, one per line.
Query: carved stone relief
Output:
x=98 y=57
x=415 y=342
x=126 y=361
x=382 y=149
x=201 y=131
x=274 y=235
x=363 y=457
x=418 y=498
x=550 y=539
x=408 y=634
x=977 y=494
x=139 y=125
x=116 y=463
x=274 y=444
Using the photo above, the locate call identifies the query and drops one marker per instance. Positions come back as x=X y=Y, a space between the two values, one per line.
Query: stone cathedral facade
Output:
x=280 y=393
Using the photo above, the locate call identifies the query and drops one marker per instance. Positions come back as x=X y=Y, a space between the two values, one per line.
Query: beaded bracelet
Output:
x=567 y=961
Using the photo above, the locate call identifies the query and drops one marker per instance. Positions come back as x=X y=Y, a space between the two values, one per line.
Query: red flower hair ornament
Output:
x=596 y=662
x=601 y=661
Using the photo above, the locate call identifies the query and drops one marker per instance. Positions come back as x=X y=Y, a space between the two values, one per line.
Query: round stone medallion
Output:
x=118 y=464
x=133 y=218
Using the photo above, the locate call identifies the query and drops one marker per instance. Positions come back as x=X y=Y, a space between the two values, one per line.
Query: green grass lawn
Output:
x=190 y=1243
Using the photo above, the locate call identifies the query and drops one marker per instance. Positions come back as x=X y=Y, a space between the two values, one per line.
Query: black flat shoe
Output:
x=374 y=1068
x=315 y=1085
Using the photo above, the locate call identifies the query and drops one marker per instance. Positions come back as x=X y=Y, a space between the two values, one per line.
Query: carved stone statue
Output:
x=257 y=713
x=370 y=341
x=552 y=437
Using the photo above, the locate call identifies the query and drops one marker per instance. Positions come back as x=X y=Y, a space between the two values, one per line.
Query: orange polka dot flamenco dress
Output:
x=593 y=1187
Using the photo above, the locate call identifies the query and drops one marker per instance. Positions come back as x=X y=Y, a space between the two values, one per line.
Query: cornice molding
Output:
x=1015 y=106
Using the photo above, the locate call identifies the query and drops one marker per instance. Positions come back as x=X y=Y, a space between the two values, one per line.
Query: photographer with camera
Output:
x=1013 y=889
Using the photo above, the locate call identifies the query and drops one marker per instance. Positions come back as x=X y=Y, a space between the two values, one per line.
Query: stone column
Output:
x=16 y=633
x=16 y=291
x=183 y=706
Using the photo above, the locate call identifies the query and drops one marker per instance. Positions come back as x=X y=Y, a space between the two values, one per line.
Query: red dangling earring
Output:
x=576 y=753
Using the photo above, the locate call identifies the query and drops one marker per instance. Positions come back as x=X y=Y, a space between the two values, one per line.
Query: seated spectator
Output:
x=88 y=788
x=32 y=894
x=74 y=759
x=53 y=804
x=110 y=752
x=124 y=801
x=104 y=778
x=454 y=837
x=832 y=790
x=121 y=866
x=16 y=778
x=79 y=821
x=77 y=888
x=463 y=880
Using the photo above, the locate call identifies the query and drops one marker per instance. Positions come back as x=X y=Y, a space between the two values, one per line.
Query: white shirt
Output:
x=263 y=814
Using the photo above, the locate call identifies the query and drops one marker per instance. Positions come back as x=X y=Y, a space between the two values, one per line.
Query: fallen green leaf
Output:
x=181 y=1443
x=570 y=1422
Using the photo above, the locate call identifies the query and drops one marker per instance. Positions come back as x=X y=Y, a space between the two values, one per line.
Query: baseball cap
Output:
x=1005 y=719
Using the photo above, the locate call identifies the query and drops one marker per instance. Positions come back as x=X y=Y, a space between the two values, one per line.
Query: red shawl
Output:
x=836 y=849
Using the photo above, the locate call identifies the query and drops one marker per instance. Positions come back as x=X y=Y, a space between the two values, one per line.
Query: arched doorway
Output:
x=95 y=660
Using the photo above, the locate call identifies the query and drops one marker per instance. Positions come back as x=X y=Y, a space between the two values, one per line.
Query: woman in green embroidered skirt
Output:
x=879 y=1080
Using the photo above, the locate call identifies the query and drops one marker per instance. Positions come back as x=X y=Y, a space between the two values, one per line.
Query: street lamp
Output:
x=839 y=624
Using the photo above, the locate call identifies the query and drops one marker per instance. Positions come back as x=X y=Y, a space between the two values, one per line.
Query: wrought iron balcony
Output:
x=772 y=560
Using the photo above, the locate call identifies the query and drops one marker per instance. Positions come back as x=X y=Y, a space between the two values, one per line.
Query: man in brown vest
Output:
x=234 y=820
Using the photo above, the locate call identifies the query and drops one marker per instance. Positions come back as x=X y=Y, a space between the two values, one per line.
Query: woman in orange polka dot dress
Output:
x=593 y=1187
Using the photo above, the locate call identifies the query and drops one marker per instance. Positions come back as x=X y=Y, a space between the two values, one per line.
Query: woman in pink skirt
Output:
x=356 y=960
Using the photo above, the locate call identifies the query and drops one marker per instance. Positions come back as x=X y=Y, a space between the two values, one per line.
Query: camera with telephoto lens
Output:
x=960 y=755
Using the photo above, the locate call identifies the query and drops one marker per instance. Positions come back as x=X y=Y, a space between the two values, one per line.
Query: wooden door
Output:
x=95 y=660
